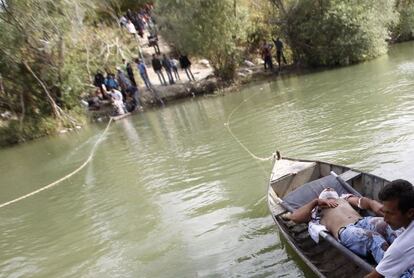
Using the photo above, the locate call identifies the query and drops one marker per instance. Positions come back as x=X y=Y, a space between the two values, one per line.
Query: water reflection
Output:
x=171 y=194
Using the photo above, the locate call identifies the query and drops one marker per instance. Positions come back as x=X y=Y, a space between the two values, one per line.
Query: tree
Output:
x=336 y=32
x=44 y=48
x=404 y=29
x=207 y=28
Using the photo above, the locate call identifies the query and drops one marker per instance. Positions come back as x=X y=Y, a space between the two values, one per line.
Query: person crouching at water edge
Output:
x=118 y=102
x=336 y=214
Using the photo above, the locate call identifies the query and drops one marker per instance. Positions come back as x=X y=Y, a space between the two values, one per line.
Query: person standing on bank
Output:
x=185 y=64
x=166 y=63
x=130 y=73
x=123 y=81
x=143 y=72
x=174 y=63
x=398 y=210
x=157 y=66
x=267 y=56
x=279 y=51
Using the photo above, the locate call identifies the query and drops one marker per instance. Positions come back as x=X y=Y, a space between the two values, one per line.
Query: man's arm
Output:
x=303 y=214
x=373 y=274
x=366 y=203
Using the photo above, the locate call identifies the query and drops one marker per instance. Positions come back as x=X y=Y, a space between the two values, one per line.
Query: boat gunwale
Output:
x=288 y=237
x=325 y=162
x=292 y=244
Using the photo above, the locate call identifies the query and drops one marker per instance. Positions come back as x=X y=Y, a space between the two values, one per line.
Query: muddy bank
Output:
x=207 y=86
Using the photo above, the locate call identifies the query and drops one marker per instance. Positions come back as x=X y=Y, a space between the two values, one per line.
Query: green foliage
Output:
x=337 y=32
x=121 y=7
x=207 y=28
x=404 y=30
x=263 y=25
x=15 y=132
x=50 y=50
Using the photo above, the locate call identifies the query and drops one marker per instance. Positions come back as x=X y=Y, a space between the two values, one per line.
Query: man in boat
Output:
x=398 y=209
x=362 y=235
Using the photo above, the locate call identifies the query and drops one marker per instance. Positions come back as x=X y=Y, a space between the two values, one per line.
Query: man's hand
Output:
x=366 y=203
x=373 y=274
x=327 y=203
x=376 y=207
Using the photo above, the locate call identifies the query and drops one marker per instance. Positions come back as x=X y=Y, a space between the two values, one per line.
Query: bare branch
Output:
x=51 y=101
x=23 y=107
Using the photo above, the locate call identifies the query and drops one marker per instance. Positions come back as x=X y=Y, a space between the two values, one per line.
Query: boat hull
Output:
x=323 y=259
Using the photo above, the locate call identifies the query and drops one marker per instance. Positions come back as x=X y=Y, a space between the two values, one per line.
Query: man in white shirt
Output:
x=117 y=100
x=398 y=210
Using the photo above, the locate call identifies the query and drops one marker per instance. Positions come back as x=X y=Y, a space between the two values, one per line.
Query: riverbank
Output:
x=209 y=85
x=206 y=84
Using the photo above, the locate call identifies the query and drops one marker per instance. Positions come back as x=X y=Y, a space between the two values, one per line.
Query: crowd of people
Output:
x=135 y=22
x=121 y=88
x=170 y=65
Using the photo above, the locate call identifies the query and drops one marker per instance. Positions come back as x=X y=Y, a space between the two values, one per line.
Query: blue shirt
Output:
x=142 y=69
x=111 y=83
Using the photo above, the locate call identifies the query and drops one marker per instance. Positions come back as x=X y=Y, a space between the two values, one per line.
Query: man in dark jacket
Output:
x=130 y=73
x=157 y=66
x=186 y=65
x=279 y=51
x=99 y=81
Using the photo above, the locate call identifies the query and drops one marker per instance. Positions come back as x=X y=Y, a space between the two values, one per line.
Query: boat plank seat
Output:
x=292 y=174
x=350 y=175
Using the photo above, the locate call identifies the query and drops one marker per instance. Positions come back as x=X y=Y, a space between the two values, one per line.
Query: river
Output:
x=170 y=193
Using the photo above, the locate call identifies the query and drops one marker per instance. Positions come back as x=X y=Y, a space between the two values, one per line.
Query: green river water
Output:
x=169 y=192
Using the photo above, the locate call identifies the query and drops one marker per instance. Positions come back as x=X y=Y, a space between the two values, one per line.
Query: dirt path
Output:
x=199 y=70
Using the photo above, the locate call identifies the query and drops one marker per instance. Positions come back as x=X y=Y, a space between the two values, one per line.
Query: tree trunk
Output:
x=55 y=108
x=23 y=107
x=2 y=91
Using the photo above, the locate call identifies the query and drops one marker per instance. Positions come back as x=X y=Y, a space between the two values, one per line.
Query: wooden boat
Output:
x=291 y=180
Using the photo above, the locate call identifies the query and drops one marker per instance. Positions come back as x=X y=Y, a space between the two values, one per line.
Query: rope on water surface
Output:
x=65 y=177
x=227 y=124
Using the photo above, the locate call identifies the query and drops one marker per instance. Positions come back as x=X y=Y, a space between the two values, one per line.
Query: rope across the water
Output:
x=227 y=124
x=65 y=177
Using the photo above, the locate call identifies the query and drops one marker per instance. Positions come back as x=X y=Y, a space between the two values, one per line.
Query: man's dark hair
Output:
x=400 y=190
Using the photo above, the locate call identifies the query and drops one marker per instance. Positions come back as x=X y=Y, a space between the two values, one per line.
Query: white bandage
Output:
x=359 y=202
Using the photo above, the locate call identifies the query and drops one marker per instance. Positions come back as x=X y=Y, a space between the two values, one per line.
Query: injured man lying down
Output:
x=336 y=214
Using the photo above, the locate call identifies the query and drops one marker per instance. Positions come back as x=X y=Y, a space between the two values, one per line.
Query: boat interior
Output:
x=294 y=183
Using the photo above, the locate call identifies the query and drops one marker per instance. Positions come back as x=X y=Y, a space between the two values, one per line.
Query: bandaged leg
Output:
x=377 y=224
x=362 y=242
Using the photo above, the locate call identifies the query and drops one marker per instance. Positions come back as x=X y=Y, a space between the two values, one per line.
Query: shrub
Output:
x=336 y=32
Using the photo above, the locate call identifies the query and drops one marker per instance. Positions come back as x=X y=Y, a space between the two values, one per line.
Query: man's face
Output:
x=394 y=217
